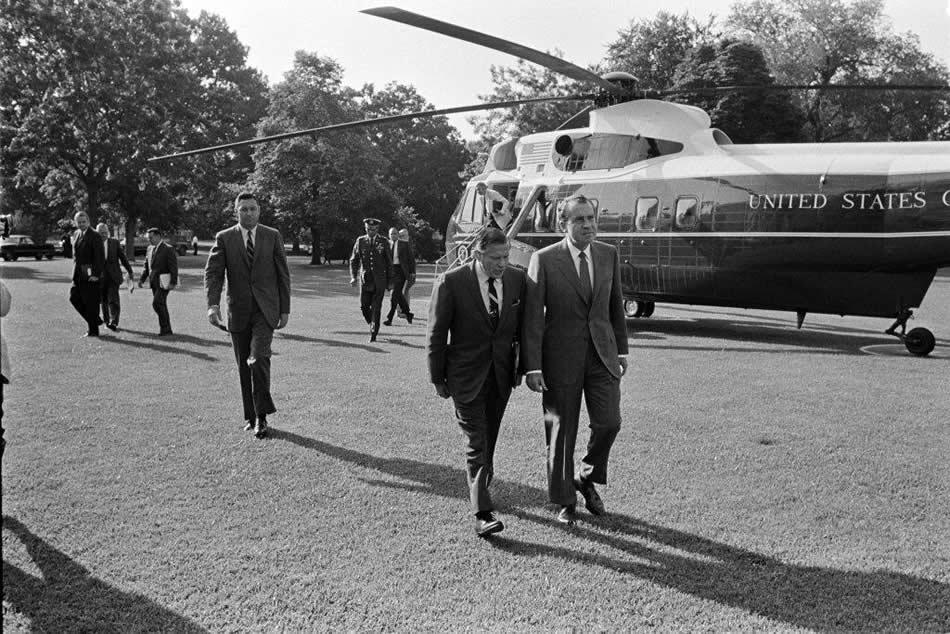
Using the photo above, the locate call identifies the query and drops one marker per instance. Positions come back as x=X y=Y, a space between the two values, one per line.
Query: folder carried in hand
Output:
x=165 y=280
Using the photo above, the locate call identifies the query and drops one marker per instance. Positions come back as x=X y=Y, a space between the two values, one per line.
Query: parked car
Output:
x=18 y=246
x=139 y=245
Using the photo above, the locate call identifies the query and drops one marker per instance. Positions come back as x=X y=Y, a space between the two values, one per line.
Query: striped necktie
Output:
x=492 y=302
x=250 y=246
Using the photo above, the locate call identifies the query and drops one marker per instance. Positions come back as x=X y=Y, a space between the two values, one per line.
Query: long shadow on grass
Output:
x=135 y=343
x=330 y=343
x=811 y=597
x=68 y=598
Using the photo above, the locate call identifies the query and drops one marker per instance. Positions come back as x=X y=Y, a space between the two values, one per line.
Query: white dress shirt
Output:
x=482 y=276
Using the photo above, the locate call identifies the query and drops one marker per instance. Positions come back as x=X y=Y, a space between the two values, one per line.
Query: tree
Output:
x=821 y=42
x=652 y=49
x=747 y=116
x=526 y=80
x=326 y=183
x=425 y=155
x=93 y=89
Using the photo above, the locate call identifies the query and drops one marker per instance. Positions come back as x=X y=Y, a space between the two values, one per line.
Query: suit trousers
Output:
x=252 y=351
x=398 y=297
x=160 y=306
x=111 y=307
x=84 y=296
x=480 y=420
x=562 y=404
x=371 y=304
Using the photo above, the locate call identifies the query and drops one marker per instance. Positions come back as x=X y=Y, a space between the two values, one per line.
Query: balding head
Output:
x=103 y=230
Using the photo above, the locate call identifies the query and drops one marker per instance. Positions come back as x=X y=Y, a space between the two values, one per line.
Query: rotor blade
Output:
x=570 y=123
x=775 y=87
x=365 y=122
x=489 y=41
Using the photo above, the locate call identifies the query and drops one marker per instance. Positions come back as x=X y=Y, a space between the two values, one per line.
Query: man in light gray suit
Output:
x=575 y=342
x=253 y=258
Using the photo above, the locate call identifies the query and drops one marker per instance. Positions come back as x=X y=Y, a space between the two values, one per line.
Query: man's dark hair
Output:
x=490 y=237
x=244 y=196
x=578 y=199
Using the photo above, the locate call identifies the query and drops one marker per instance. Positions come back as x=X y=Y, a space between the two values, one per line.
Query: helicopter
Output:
x=833 y=228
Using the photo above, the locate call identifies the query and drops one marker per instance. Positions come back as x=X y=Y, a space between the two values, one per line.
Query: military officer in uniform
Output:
x=372 y=263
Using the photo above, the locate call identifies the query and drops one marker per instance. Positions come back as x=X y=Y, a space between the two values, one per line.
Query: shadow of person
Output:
x=157 y=347
x=330 y=343
x=68 y=598
x=811 y=597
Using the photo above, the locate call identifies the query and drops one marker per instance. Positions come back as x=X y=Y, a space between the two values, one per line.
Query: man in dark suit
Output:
x=474 y=319
x=89 y=260
x=112 y=277
x=161 y=271
x=574 y=343
x=252 y=258
x=404 y=270
x=371 y=262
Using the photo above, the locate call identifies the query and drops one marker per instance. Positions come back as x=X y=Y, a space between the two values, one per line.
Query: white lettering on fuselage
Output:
x=946 y=198
x=882 y=202
x=850 y=201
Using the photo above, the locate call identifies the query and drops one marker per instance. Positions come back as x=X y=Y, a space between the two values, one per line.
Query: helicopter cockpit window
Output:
x=647 y=213
x=606 y=151
x=687 y=216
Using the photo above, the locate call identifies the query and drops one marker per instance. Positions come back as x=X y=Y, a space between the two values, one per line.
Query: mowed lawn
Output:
x=765 y=479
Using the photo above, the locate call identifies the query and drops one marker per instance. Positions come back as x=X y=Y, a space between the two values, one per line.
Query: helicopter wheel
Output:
x=919 y=341
x=646 y=309
x=631 y=308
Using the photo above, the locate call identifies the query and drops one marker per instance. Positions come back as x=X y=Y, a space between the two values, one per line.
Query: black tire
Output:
x=919 y=341
x=14 y=257
x=49 y=256
x=38 y=256
x=648 y=309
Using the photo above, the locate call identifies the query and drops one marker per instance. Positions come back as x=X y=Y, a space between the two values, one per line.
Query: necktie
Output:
x=250 y=246
x=492 y=303
x=584 y=274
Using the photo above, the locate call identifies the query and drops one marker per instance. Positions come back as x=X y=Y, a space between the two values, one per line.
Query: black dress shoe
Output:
x=112 y=327
x=409 y=317
x=592 y=500
x=165 y=333
x=567 y=515
x=249 y=425
x=91 y=334
x=372 y=337
x=486 y=524
x=388 y=322
x=260 y=430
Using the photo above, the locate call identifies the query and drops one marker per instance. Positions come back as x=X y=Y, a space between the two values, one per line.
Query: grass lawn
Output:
x=765 y=479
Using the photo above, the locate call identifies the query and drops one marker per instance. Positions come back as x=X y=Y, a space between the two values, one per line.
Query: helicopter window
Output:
x=606 y=151
x=647 y=210
x=686 y=213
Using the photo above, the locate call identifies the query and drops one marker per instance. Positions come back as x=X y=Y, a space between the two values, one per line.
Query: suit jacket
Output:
x=558 y=320
x=265 y=280
x=372 y=262
x=89 y=256
x=407 y=261
x=462 y=345
x=114 y=257
x=160 y=258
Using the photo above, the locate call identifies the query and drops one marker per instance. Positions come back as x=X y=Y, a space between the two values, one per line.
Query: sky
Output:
x=449 y=72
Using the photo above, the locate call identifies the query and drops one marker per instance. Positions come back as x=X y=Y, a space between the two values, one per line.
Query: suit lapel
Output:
x=602 y=268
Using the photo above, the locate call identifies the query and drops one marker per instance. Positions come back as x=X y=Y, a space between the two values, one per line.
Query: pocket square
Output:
x=515 y=303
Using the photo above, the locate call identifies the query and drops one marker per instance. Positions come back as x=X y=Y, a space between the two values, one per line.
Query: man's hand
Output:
x=284 y=318
x=442 y=390
x=214 y=316
x=352 y=281
x=623 y=366
x=535 y=382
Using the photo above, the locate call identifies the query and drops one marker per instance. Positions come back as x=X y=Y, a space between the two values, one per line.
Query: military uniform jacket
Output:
x=371 y=261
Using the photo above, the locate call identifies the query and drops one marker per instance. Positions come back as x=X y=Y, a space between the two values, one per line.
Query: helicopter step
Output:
x=919 y=341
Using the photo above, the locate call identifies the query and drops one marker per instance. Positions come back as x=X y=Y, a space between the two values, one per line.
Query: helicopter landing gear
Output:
x=919 y=341
x=636 y=309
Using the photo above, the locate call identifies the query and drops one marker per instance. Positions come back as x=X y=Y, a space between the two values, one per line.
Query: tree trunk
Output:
x=315 y=257
x=92 y=202
x=130 y=223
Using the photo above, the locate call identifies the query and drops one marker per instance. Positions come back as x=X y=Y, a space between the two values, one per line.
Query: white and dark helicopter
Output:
x=834 y=228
